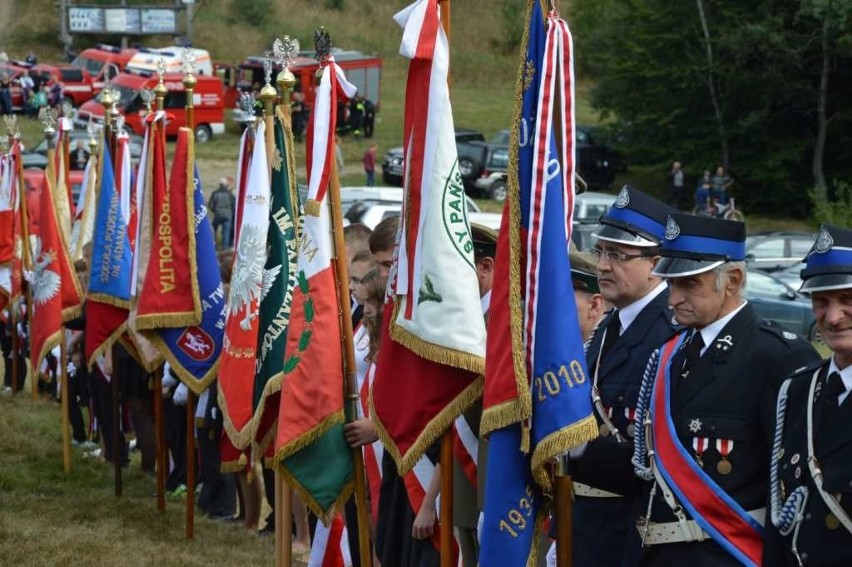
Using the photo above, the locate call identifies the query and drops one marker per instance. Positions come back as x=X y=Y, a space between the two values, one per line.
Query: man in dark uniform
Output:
x=811 y=472
x=605 y=487
x=468 y=473
x=706 y=403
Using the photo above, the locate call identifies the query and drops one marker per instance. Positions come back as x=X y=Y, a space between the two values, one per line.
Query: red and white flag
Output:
x=84 y=213
x=330 y=546
x=433 y=352
x=56 y=292
x=237 y=366
x=7 y=228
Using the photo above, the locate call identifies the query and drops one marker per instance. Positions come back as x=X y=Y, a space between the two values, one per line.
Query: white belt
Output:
x=673 y=532
x=581 y=489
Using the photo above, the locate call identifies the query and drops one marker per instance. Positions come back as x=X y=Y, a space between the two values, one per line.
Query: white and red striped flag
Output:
x=330 y=546
x=433 y=352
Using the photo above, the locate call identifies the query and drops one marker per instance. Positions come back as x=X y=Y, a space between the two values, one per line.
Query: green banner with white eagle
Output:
x=279 y=277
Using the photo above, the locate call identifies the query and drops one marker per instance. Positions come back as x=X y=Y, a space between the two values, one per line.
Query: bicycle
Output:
x=728 y=211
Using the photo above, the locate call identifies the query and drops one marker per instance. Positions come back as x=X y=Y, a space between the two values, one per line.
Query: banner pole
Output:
x=190 y=465
x=564 y=513
x=65 y=392
x=160 y=435
x=350 y=385
x=13 y=321
x=447 y=457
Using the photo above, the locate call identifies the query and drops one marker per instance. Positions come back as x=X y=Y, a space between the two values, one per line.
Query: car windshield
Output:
x=93 y=66
x=125 y=94
x=761 y=284
x=499 y=159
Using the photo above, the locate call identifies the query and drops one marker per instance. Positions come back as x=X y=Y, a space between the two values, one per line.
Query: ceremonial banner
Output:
x=110 y=272
x=433 y=353
x=310 y=450
x=169 y=294
x=20 y=237
x=330 y=546
x=537 y=401
x=279 y=278
x=61 y=189
x=56 y=292
x=84 y=215
x=150 y=172
x=242 y=327
x=7 y=228
x=7 y=206
x=193 y=350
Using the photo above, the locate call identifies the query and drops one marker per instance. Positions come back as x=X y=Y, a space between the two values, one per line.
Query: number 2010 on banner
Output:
x=551 y=383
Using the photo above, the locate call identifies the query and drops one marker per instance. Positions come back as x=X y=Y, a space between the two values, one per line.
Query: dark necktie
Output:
x=834 y=386
x=692 y=352
x=613 y=330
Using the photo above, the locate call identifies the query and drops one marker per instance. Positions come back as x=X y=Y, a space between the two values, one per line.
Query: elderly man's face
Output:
x=833 y=312
x=697 y=301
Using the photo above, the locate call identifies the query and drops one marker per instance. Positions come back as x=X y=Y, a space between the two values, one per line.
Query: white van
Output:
x=145 y=61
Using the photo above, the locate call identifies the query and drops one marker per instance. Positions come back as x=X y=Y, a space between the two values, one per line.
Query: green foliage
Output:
x=838 y=211
x=651 y=71
x=335 y=5
x=512 y=13
x=252 y=12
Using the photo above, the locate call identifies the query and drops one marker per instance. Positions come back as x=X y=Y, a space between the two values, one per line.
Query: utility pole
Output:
x=64 y=35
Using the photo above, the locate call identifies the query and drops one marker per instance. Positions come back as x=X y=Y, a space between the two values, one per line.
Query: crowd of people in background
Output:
x=712 y=193
x=37 y=91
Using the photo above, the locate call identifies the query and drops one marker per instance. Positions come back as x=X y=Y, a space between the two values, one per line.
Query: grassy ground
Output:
x=49 y=518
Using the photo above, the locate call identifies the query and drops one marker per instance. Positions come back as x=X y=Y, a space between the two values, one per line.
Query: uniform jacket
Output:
x=822 y=541
x=730 y=394
x=605 y=464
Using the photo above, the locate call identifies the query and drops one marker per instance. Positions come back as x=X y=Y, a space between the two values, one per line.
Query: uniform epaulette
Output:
x=783 y=334
x=807 y=369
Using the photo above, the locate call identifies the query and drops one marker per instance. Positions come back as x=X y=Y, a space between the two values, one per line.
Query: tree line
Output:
x=762 y=87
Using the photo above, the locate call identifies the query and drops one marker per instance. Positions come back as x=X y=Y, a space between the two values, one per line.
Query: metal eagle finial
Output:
x=285 y=50
x=322 y=44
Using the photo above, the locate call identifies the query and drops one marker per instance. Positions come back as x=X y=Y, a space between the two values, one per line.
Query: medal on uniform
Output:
x=724 y=446
x=699 y=445
x=630 y=414
x=831 y=521
x=604 y=428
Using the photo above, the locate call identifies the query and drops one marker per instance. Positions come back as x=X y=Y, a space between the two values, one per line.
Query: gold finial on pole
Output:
x=92 y=129
x=48 y=120
x=285 y=49
x=160 y=90
x=189 y=82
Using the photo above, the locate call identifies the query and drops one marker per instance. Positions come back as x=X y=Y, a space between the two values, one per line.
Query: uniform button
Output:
x=712 y=428
x=804 y=557
x=808 y=517
x=620 y=398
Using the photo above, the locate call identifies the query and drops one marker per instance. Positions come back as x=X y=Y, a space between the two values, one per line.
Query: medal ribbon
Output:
x=712 y=508
x=724 y=446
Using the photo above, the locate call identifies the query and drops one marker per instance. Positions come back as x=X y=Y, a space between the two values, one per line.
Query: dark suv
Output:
x=596 y=163
x=394 y=161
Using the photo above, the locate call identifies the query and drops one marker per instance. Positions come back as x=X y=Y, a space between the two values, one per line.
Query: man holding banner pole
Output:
x=704 y=417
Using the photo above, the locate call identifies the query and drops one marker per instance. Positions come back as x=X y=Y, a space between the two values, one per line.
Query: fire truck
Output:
x=102 y=62
x=363 y=71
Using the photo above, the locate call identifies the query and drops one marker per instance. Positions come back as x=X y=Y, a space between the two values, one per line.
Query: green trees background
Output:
x=761 y=86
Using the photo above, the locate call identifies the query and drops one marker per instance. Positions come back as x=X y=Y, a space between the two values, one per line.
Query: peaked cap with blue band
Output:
x=635 y=219
x=829 y=263
x=693 y=245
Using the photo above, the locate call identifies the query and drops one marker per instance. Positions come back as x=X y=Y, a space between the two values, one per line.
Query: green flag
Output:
x=279 y=276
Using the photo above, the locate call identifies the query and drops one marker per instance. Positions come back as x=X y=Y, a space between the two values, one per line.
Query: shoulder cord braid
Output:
x=642 y=455
x=788 y=515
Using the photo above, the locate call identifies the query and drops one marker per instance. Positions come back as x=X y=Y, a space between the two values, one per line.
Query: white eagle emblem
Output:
x=247 y=281
x=824 y=241
x=672 y=229
x=623 y=198
x=45 y=282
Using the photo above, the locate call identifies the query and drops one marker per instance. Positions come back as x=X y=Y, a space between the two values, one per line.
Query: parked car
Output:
x=776 y=301
x=772 y=251
x=371 y=205
x=489 y=180
x=590 y=206
x=393 y=163
x=596 y=162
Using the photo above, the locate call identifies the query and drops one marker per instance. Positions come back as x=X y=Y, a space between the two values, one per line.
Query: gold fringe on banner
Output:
x=435 y=353
x=433 y=430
